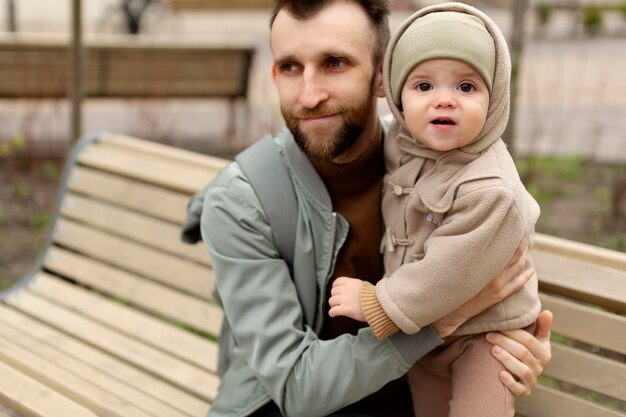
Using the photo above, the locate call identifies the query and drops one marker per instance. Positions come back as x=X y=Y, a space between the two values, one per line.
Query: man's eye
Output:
x=423 y=86
x=289 y=67
x=335 y=63
x=466 y=87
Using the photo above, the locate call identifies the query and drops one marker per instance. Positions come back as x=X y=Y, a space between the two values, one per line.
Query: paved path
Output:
x=572 y=90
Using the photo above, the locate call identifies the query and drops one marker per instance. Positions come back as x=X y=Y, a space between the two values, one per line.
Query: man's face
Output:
x=325 y=77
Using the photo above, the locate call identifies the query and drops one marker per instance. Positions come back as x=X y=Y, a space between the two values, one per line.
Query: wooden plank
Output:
x=581 y=251
x=177 y=372
x=71 y=386
x=549 y=402
x=586 y=324
x=59 y=41
x=126 y=66
x=155 y=201
x=581 y=280
x=137 y=227
x=159 y=266
x=158 y=171
x=172 y=340
x=85 y=373
x=33 y=399
x=588 y=371
x=104 y=363
x=180 y=155
x=136 y=291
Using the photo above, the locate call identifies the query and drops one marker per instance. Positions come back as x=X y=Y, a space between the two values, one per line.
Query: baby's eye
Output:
x=466 y=87
x=423 y=86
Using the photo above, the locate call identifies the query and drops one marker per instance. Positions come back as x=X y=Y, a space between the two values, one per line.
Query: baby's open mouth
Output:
x=443 y=122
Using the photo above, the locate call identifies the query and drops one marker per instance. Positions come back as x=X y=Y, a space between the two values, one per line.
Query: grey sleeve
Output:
x=261 y=304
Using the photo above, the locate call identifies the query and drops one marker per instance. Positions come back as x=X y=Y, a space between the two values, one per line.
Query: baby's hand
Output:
x=345 y=299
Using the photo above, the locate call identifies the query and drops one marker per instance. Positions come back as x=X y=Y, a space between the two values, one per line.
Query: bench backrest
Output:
x=585 y=287
x=126 y=66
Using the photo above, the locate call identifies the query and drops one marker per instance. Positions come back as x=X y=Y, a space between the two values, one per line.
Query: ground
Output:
x=27 y=195
x=579 y=200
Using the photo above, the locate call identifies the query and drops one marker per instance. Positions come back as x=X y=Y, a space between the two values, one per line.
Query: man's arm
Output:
x=262 y=306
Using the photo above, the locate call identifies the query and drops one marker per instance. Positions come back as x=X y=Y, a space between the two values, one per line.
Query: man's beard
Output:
x=323 y=143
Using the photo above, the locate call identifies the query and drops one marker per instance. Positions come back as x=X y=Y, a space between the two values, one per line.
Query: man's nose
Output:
x=313 y=90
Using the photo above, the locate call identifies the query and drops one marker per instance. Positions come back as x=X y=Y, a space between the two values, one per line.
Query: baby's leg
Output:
x=430 y=388
x=476 y=388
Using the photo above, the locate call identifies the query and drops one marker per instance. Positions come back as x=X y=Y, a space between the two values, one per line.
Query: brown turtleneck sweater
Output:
x=356 y=192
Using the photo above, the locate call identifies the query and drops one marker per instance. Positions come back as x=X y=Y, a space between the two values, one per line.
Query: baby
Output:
x=454 y=207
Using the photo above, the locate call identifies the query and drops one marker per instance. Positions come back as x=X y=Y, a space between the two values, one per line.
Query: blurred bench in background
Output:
x=38 y=66
x=220 y=4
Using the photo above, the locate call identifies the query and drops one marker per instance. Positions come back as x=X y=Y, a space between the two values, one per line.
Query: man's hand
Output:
x=509 y=280
x=525 y=356
x=345 y=298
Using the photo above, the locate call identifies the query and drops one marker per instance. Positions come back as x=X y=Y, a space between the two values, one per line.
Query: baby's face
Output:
x=445 y=103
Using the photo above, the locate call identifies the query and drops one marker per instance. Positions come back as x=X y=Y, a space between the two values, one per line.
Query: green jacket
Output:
x=269 y=344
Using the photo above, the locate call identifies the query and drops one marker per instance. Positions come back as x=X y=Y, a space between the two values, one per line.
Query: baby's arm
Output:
x=345 y=298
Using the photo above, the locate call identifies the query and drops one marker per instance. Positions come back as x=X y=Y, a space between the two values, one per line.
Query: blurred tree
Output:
x=516 y=43
x=11 y=23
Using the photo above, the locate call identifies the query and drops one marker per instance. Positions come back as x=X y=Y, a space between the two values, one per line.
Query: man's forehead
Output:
x=340 y=29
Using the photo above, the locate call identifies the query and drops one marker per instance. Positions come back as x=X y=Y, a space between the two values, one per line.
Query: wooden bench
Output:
x=117 y=317
x=125 y=66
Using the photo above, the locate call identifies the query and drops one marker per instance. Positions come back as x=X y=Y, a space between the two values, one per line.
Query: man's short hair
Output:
x=377 y=12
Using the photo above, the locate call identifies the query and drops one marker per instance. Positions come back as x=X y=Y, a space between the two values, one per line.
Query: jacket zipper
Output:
x=333 y=233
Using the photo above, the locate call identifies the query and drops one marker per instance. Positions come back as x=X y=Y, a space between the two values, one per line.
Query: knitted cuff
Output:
x=376 y=317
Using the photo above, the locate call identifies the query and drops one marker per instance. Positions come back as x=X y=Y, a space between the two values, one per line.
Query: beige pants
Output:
x=460 y=380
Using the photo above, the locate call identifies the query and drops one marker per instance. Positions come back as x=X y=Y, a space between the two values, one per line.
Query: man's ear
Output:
x=379 y=88
x=274 y=73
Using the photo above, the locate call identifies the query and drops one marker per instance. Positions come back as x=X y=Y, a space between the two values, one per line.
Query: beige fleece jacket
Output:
x=453 y=218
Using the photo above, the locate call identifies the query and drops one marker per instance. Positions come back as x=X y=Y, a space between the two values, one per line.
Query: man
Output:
x=281 y=353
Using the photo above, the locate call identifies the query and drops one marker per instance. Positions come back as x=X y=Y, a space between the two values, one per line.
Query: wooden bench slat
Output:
x=582 y=280
x=104 y=363
x=586 y=324
x=150 y=296
x=581 y=251
x=179 y=373
x=549 y=402
x=153 y=170
x=157 y=202
x=166 y=337
x=148 y=231
x=208 y=162
x=33 y=399
x=590 y=371
x=85 y=373
x=75 y=388
x=127 y=66
x=158 y=266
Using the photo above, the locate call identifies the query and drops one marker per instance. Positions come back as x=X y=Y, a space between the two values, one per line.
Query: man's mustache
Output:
x=321 y=111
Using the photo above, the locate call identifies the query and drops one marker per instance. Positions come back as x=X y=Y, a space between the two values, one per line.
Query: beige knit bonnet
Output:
x=457 y=31
x=443 y=35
